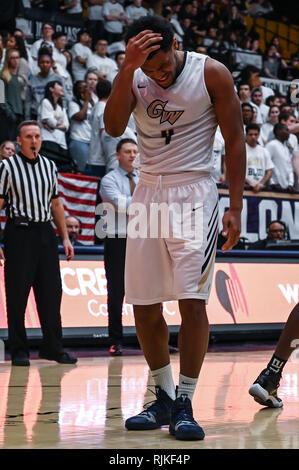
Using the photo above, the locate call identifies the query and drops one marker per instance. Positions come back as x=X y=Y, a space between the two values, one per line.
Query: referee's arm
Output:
x=2 y=257
x=59 y=220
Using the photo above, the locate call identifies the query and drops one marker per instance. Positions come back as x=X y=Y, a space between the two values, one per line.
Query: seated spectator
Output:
x=135 y=10
x=267 y=127
x=235 y=19
x=73 y=225
x=244 y=94
x=276 y=230
x=168 y=14
x=255 y=47
x=52 y=117
x=247 y=114
x=59 y=40
x=7 y=149
x=72 y=7
x=96 y=157
x=80 y=129
x=260 y=8
x=99 y=61
x=13 y=105
x=289 y=119
x=282 y=158
x=109 y=143
x=251 y=75
x=91 y=79
x=37 y=83
x=273 y=63
x=258 y=160
x=119 y=58
x=95 y=22
x=292 y=71
x=115 y=19
x=273 y=100
x=114 y=47
x=45 y=41
x=257 y=99
x=275 y=41
x=81 y=52
x=60 y=63
x=190 y=35
x=23 y=71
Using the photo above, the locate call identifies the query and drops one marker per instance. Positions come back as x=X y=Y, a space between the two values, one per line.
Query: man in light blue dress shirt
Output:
x=116 y=188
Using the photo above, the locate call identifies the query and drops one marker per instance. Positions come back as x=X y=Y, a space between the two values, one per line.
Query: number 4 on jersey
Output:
x=167 y=135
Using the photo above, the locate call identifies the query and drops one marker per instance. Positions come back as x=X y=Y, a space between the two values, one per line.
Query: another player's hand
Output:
x=139 y=47
x=231 y=228
x=68 y=249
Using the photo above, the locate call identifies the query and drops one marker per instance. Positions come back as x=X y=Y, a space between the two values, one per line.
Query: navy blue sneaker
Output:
x=154 y=416
x=182 y=425
x=264 y=389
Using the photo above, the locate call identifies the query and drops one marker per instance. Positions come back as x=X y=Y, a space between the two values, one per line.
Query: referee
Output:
x=28 y=187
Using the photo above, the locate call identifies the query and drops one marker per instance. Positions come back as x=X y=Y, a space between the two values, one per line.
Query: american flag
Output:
x=78 y=194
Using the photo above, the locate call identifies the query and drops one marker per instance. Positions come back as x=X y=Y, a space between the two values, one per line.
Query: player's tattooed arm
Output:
x=122 y=101
x=220 y=86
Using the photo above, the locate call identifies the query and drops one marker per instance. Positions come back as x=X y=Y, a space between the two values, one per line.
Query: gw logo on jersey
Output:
x=157 y=109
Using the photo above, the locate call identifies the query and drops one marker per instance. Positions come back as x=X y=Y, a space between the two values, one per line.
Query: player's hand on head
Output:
x=139 y=47
x=231 y=229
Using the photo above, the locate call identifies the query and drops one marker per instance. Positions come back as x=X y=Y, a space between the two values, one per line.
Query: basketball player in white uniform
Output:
x=177 y=100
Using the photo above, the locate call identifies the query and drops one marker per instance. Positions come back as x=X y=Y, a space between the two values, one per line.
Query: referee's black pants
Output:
x=114 y=258
x=31 y=260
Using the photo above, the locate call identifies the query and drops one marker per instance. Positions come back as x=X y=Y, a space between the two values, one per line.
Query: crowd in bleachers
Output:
x=65 y=84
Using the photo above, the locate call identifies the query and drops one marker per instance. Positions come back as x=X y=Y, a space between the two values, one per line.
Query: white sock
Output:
x=163 y=378
x=187 y=385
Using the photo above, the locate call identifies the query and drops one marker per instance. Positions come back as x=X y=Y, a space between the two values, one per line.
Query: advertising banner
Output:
x=241 y=293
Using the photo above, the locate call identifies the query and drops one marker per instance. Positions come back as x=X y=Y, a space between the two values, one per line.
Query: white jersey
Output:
x=175 y=126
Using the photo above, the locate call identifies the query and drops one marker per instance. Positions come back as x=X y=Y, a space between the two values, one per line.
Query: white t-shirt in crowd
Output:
x=134 y=13
x=96 y=155
x=218 y=150
x=95 y=13
x=258 y=161
x=266 y=131
x=76 y=9
x=53 y=117
x=36 y=46
x=281 y=155
x=79 y=70
x=115 y=47
x=113 y=9
x=80 y=130
x=104 y=65
x=264 y=111
x=59 y=58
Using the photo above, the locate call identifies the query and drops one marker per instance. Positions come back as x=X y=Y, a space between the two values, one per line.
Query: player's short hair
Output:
x=123 y=142
x=155 y=23
x=252 y=127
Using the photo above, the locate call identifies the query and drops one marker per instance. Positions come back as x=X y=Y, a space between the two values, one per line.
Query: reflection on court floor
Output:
x=85 y=406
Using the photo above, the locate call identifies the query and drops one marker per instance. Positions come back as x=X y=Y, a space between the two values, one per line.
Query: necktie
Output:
x=132 y=184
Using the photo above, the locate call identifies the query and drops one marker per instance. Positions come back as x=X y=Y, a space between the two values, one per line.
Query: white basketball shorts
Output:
x=171 y=238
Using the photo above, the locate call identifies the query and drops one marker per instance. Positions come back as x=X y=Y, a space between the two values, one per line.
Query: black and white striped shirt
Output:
x=28 y=186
